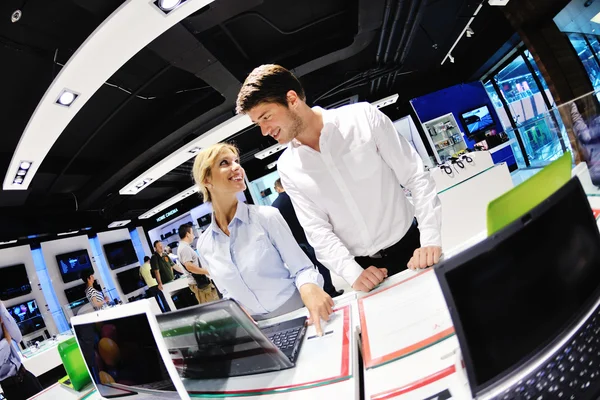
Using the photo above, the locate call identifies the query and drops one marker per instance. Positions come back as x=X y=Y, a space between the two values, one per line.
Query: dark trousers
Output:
x=160 y=298
x=396 y=257
x=323 y=270
x=21 y=386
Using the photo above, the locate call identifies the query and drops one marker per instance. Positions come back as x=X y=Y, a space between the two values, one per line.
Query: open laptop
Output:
x=219 y=340
x=525 y=303
x=125 y=355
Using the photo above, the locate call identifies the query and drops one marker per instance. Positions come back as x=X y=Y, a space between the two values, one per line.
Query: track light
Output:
x=25 y=165
x=451 y=58
x=66 y=98
x=270 y=151
x=272 y=165
x=118 y=224
x=194 y=150
x=469 y=32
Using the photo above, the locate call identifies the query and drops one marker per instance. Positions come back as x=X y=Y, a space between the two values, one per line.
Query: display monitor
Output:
x=72 y=264
x=14 y=282
x=478 y=120
x=205 y=220
x=120 y=254
x=27 y=316
x=76 y=293
x=130 y=280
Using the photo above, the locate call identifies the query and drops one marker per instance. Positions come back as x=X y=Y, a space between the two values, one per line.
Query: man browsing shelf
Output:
x=161 y=264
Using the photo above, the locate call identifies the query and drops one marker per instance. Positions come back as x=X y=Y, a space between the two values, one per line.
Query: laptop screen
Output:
x=513 y=294
x=123 y=358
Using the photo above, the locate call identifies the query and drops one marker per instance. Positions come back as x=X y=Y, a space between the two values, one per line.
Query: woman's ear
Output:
x=207 y=183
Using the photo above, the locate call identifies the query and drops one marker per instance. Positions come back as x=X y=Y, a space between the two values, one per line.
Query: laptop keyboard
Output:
x=573 y=372
x=285 y=340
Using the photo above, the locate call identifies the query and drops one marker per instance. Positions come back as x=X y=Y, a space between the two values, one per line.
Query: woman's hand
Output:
x=318 y=303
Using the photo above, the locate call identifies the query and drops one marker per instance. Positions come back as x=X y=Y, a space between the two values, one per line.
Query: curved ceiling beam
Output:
x=131 y=27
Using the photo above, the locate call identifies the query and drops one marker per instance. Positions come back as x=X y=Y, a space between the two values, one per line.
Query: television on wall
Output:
x=72 y=264
x=120 y=254
x=27 y=316
x=76 y=293
x=14 y=282
x=130 y=280
x=478 y=120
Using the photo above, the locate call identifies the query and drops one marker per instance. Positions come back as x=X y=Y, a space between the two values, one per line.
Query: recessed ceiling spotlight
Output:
x=167 y=6
x=18 y=180
x=21 y=172
x=25 y=165
x=194 y=150
x=66 y=98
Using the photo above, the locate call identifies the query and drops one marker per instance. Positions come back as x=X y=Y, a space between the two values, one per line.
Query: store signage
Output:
x=167 y=214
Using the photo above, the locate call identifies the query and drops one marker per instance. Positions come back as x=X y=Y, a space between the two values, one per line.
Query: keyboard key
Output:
x=584 y=386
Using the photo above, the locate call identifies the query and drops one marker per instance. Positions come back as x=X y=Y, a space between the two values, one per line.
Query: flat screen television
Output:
x=27 y=316
x=14 y=282
x=120 y=254
x=71 y=264
x=130 y=280
x=478 y=120
x=205 y=220
x=76 y=293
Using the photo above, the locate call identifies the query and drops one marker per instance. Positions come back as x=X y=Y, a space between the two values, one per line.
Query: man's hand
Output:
x=370 y=278
x=318 y=303
x=424 y=257
x=160 y=287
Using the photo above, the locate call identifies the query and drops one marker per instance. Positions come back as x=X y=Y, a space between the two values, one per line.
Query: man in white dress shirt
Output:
x=345 y=170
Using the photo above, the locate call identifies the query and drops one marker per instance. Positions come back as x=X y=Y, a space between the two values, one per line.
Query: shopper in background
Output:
x=17 y=383
x=285 y=207
x=95 y=297
x=153 y=290
x=249 y=250
x=344 y=171
x=161 y=264
x=198 y=279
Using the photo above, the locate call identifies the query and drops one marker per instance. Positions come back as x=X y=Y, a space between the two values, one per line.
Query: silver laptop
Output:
x=125 y=354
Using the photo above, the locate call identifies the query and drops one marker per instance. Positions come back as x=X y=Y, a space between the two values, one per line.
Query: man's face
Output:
x=159 y=248
x=281 y=123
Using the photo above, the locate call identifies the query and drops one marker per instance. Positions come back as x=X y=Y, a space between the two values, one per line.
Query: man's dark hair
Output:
x=146 y=259
x=154 y=244
x=85 y=274
x=183 y=230
x=267 y=84
x=278 y=183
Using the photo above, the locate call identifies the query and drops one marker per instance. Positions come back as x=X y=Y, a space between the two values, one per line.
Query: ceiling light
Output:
x=217 y=134
x=272 y=165
x=21 y=172
x=18 y=180
x=66 y=98
x=451 y=58
x=166 y=6
x=66 y=233
x=8 y=242
x=194 y=150
x=386 y=101
x=25 y=165
x=117 y=224
x=269 y=151
x=498 y=2
x=467 y=27
x=168 y=203
x=469 y=32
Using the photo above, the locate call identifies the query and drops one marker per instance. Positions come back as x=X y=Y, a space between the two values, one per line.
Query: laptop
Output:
x=219 y=340
x=125 y=355
x=525 y=303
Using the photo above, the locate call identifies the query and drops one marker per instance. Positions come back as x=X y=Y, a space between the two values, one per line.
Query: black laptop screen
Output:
x=516 y=292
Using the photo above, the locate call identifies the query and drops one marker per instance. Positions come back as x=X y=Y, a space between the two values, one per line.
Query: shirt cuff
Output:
x=309 y=275
x=430 y=237
x=351 y=271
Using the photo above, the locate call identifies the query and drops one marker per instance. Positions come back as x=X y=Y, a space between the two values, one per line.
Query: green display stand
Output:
x=520 y=200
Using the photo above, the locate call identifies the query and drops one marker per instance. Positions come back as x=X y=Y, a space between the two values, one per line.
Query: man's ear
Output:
x=292 y=98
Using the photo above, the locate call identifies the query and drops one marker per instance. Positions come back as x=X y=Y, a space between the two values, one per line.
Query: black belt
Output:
x=393 y=248
x=15 y=379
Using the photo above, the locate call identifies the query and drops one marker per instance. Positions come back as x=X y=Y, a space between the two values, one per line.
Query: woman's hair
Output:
x=85 y=274
x=204 y=162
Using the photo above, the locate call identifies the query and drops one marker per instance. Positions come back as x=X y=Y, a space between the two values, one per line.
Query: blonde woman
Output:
x=249 y=250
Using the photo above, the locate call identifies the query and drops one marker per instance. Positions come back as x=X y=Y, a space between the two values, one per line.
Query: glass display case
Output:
x=445 y=137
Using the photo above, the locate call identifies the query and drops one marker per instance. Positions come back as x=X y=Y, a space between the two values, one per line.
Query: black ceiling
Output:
x=185 y=82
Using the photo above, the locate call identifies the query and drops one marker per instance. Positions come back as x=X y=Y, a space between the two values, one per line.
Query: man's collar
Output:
x=328 y=120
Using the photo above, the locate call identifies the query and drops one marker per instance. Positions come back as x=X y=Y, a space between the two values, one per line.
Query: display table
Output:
x=45 y=358
x=172 y=287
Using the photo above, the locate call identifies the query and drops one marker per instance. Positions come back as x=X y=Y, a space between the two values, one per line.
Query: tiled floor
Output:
x=521 y=175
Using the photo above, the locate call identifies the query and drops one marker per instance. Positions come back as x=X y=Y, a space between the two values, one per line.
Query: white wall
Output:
x=55 y=247
x=406 y=127
x=145 y=245
x=118 y=235
x=22 y=255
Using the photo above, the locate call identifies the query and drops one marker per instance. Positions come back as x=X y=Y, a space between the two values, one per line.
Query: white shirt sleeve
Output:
x=329 y=249
x=408 y=167
x=298 y=263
